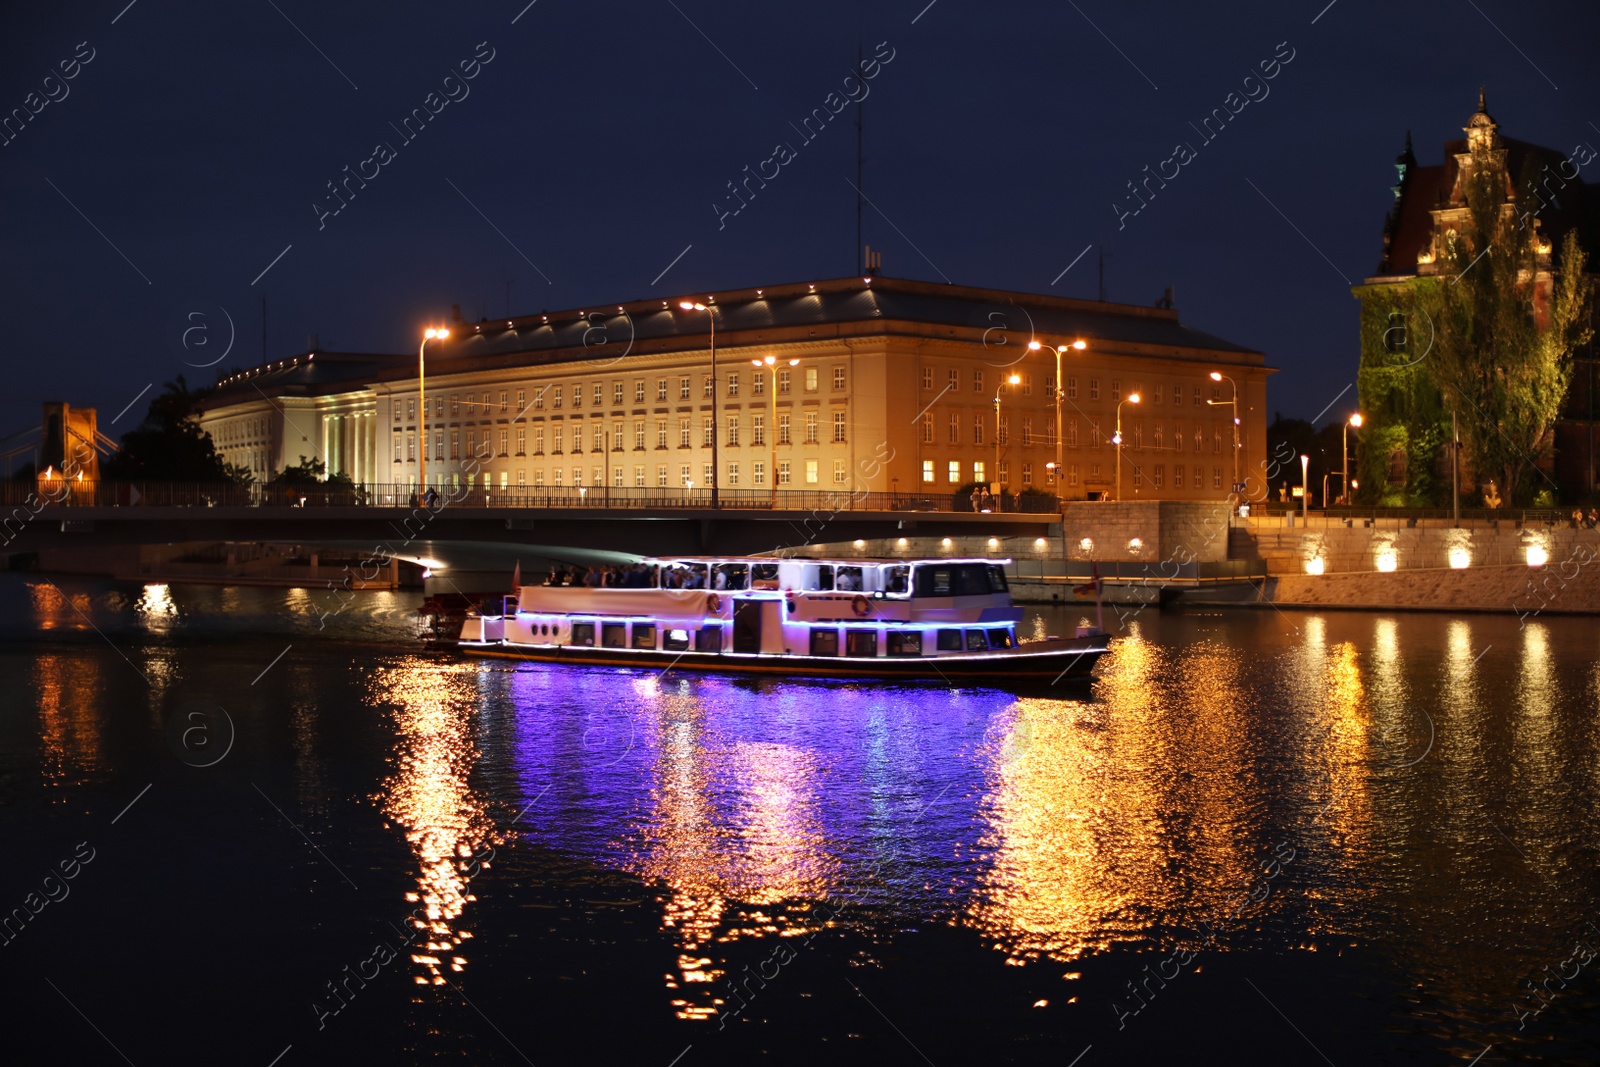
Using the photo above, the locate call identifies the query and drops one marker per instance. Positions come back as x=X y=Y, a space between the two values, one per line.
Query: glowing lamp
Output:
x=1537 y=556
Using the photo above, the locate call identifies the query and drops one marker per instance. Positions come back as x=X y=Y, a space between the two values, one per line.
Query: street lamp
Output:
x=1305 y=488
x=1233 y=404
x=711 y=315
x=1116 y=439
x=771 y=365
x=422 y=398
x=1354 y=420
x=1061 y=350
x=1012 y=380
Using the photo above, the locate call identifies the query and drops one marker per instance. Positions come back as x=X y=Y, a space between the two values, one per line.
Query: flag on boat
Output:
x=516 y=580
x=1093 y=588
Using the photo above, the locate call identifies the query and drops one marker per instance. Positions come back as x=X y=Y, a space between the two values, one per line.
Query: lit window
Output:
x=978 y=471
x=927 y=470
x=811 y=472
x=811 y=379
x=953 y=473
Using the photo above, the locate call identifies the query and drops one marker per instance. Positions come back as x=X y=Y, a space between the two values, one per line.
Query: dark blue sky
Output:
x=599 y=137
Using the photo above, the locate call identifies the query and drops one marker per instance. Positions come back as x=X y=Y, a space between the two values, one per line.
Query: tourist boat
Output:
x=940 y=619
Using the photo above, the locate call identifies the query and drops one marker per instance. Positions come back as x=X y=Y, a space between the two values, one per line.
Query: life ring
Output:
x=713 y=603
x=860 y=605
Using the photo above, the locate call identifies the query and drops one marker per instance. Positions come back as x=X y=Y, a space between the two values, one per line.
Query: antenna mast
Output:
x=861 y=106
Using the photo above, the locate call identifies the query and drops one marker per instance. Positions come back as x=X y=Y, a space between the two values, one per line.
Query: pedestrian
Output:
x=987 y=502
x=977 y=498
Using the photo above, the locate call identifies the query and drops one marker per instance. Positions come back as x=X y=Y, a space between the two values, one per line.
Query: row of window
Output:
x=955 y=474
x=980 y=424
x=616 y=438
x=1194 y=393
x=556 y=395
x=810 y=472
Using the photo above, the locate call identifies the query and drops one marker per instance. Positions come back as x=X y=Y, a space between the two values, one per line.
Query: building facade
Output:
x=874 y=384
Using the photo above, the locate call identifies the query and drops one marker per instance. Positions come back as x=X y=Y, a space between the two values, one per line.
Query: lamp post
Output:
x=1233 y=406
x=711 y=316
x=422 y=399
x=1353 y=420
x=1116 y=439
x=770 y=363
x=1012 y=380
x=1305 y=487
x=1061 y=350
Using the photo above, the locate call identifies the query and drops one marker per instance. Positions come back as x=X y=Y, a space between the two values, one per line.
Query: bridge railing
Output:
x=83 y=493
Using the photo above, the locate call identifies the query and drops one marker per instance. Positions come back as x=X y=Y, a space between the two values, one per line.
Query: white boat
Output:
x=928 y=618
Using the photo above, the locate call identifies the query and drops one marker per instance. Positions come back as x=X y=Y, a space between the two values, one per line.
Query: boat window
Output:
x=861 y=643
x=905 y=643
x=896 y=579
x=949 y=640
x=683 y=576
x=1001 y=639
x=710 y=639
x=764 y=575
x=997 y=578
x=824 y=642
x=958 y=579
x=819 y=577
x=977 y=641
x=644 y=635
x=676 y=640
x=583 y=633
x=614 y=635
x=730 y=576
x=848 y=579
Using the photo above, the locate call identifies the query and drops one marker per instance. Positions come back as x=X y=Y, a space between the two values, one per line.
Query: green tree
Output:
x=1497 y=367
x=169 y=445
x=310 y=472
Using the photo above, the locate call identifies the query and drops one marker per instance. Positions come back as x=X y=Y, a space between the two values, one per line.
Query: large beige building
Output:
x=876 y=384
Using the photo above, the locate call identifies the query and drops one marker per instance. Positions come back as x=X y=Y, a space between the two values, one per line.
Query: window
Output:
x=598 y=398
x=616 y=392
x=1027 y=474
x=783 y=381
x=1216 y=393
x=411 y=448
x=955 y=380
x=949 y=641
x=1216 y=477
x=758 y=473
x=838 y=377
x=1049 y=385
x=977 y=431
x=1177 y=437
x=1159 y=477
x=638 y=436
x=638 y=475
x=811 y=427
x=398 y=454
x=559 y=476
x=661 y=475
x=504 y=435
x=927 y=428
x=927 y=377
x=955 y=428
x=811 y=472
x=538 y=399
x=783 y=430
x=616 y=437
x=1177 y=395
x=707 y=428
x=1159 y=439
x=1027 y=384
x=438 y=406
x=638 y=390
x=554 y=402
x=1199 y=439
x=1027 y=430
x=783 y=472
x=733 y=431
x=1094 y=388
x=661 y=388
x=977 y=472
x=1072 y=388
x=927 y=470
x=953 y=472
x=1072 y=434
x=838 y=427
x=1116 y=389
x=977 y=381
x=1003 y=471
x=538 y=440
x=683 y=388
x=411 y=410
x=1096 y=438
x=522 y=478
x=455 y=405
x=1177 y=476
x=1138 y=435
x=455 y=444
x=577 y=437
x=661 y=433
x=505 y=401
x=811 y=379
x=758 y=384
x=705 y=474
x=1002 y=432
x=577 y=398
x=1216 y=438
x=684 y=476
x=683 y=433
x=1094 y=472
x=538 y=478
x=1199 y=477
x=1155 y=394
x=1072 y=474
x=838 y=472
x=1138 y=474
x=758 y=429
x=733 y=474
x=438 y=443
x=824 y=642
x=733 y=384
x=708 y=388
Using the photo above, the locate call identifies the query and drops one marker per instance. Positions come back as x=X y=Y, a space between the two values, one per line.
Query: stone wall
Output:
x=1147 y=530
x=1392 y=544
x=1513 y=588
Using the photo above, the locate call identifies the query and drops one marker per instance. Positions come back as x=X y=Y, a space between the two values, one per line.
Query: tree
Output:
x=169 y=445
x=1503 y=349
x=310 y=472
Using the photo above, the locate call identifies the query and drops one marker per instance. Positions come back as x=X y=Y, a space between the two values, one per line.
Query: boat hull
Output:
x=1037 y=661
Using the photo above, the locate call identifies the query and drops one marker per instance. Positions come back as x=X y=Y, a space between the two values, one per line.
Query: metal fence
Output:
x=83 y=493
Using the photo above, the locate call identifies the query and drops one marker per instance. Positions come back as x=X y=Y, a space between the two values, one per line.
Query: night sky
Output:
x=594 y=143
